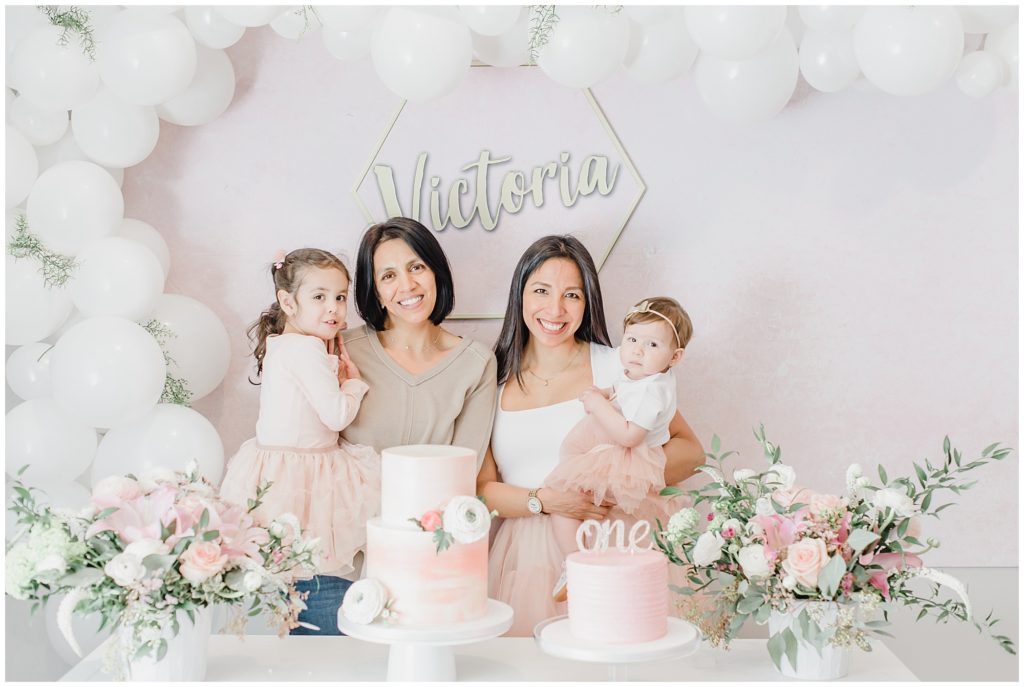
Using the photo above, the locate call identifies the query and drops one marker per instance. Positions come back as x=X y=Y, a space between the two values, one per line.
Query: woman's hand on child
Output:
x=572 y=504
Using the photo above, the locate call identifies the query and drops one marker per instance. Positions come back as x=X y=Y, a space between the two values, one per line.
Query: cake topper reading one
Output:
x=602 y=532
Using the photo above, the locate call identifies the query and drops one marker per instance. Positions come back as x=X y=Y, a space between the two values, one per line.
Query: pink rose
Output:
x=804 y=560
x=431 y=520
x=201 y=561
x=115 y=490
x=823 y=503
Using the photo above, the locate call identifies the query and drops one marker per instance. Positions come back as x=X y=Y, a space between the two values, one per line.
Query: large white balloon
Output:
x=115 y=132
x=54 y=76
x=294 y=24
x=211 y=29
x=510 y=49
x=347 y=46
x=745 y=91
x=980 y=73
x=107 y=371
x=66 y=150
x=349 y=17
x=28 y=371
x=200 y=349
x=144 y=233
x=490 y=20
x=168 y=436
x=19 y=22
x=55 y=444
x=86 y=629
x=649 y=14
x=420 y=55
x=250 y=15
x=830 y=17
x=734 y=33
x=34 y=310
x=60 y=493
x=908 y=50
x=117 y=276
x=827 y=60
x=22 y=166
x=74 y=203
x=209 y=94
x=585 y=46
x=660 y=51
x=987 y=18
x=40 y=126
x=1005 y=43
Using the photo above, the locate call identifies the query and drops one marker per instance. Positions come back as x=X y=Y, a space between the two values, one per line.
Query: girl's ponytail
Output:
x=270 y=322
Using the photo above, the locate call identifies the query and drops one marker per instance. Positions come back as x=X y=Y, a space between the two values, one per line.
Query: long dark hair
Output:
x=512 y=341
x=287 y=275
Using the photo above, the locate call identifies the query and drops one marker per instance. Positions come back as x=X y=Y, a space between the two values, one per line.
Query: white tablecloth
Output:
x=343 y=659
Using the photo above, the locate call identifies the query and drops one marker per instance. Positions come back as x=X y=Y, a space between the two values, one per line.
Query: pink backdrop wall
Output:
x=850 y=266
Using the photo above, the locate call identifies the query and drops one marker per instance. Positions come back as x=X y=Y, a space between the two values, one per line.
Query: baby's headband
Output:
x=279 y=257
x=644 y=307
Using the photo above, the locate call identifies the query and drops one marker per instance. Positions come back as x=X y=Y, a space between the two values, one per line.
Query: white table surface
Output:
x=344 y=659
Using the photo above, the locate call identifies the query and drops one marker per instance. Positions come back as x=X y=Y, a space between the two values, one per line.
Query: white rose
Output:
x=125 y=569
x=780 y=476
x=764 y=506
x=708 y=548
x=467 y=519
x=244 y=580
x=753 y=561
x=900 y=503
x=52 y=562
x=147 y=547
x=364 y=601
x=743 y=474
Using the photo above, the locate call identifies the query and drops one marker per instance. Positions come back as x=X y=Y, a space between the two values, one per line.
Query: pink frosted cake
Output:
x=618 y=597
x=426 y=587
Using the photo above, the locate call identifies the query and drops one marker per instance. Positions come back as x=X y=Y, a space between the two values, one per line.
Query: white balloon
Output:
x=661 y=51
x=200 y=349
x=419 y=55
x=66 y=150
x=146 y=57
x=734 y=33
x=107 y=371
x=510 y=49
x=53 y=76
x=347 y=46
x=908 y=50
x=28 y=371
x=795 y=24
x=115 y=132
x=294 y=24
x=827 y=60
x=40 y=126
x=74 y=203
x=22 y=166
x=745 y=91
x=117 y=276
x=55 y=444
x=209 y=28
x=830 y=17
x=250 y=15
x=74 y=318
x=980 y=73
x=20 y=21
x=986 y=19
x=34 y=310
x=349 y=17
x=60 y=493
x=490 y=20
x=1005 y=43
x=86 y=629
x=585 y=46
x=649 y=14
x=168 y=436
x=144 y=233
x=209 y=94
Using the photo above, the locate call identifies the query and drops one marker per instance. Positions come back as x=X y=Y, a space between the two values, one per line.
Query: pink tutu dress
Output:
x=330 y=485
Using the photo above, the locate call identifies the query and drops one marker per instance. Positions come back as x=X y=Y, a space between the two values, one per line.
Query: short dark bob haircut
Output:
x=423 y=244
x=512 y=341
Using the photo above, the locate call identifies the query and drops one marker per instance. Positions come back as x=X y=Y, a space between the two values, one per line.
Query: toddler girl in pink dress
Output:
x=309 y=392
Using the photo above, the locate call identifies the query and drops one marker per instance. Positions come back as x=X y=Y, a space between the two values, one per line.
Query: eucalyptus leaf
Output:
x=750 y=604
x=831 y=575
x=860 y=539
x=776 y=647
x=791 y=646
x=716 y=444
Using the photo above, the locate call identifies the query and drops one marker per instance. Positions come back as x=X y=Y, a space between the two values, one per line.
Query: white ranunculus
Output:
x=708 y=548
x=780 y=476
x=125 y=569
x=753 y=561
x=763 y=506
x=467 y=519
x=743 y=474
x=900 y=503
x=147 y=547
x=364 y=601
x=52 y=562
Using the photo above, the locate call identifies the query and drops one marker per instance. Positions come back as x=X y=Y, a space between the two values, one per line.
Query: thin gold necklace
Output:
x=391 y=338
x=567 y=366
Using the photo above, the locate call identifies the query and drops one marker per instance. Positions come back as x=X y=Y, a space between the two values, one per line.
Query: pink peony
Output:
x=823 y=503
x=890 y=562
x=804 y=560
x=201 y=561
x=431 y=520
x=114 y=491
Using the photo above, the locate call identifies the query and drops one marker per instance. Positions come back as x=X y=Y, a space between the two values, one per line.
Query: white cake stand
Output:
x=553 y=638
x=425 y=655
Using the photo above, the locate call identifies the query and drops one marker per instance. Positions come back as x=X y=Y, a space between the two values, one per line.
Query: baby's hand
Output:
x=591 y=398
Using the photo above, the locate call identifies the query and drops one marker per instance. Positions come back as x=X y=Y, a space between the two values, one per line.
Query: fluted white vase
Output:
x=185 y=660
x=831 y=664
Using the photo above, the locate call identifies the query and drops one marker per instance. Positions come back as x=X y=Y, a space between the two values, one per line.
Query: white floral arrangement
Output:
x=367 y=600
x=148 y=547
x=465 y=520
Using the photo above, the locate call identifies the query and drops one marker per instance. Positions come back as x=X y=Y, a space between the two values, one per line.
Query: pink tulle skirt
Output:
x=333 y=491
x=592 y=463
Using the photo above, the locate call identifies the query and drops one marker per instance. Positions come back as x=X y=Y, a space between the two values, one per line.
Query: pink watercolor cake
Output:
x=426 y=587
x=618 y=597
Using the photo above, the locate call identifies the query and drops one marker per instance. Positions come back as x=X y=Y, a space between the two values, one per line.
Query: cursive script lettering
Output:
x=600 y=534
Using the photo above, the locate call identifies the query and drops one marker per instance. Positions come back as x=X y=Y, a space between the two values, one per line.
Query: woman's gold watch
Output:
x=533 y=503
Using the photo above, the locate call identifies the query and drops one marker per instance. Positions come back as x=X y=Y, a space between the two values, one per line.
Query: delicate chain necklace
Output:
x=391 y=339
x=567 y=366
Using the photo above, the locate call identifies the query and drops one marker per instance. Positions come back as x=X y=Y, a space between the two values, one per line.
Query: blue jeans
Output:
x=325 y=595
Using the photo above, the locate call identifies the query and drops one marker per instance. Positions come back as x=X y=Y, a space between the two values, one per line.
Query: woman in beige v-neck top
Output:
x=427 y=385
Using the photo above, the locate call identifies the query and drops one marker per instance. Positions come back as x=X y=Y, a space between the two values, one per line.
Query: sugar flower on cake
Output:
x=365 y=601
x=464 y=520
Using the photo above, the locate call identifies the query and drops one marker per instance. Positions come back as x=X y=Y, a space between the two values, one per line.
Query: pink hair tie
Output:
x=279 y=258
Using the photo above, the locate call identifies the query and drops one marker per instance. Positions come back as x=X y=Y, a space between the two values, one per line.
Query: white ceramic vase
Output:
x=833 y=662
x=185 y=660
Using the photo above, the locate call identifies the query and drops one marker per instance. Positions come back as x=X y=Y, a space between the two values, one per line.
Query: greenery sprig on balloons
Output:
x=57 y=269
x=175 y=388
x=543 y=19
x=73 y=20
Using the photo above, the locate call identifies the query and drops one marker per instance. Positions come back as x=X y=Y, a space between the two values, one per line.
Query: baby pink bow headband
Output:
x=279 y=258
